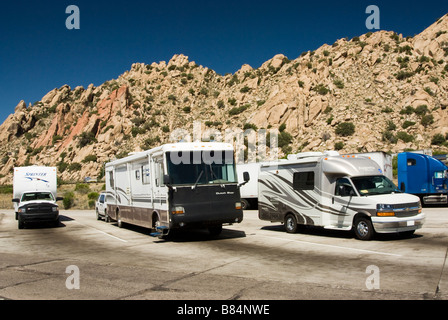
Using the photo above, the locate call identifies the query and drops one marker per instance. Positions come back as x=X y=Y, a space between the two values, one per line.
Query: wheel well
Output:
x=360 y=215
x=155 y=218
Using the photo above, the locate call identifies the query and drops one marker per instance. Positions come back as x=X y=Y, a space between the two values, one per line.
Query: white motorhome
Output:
x=249 y=191
x=35 y=195
x=336 y=192
x=176 y=185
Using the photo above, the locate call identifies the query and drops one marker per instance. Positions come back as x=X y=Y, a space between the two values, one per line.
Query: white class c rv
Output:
x=175 y=186
x=335 y=192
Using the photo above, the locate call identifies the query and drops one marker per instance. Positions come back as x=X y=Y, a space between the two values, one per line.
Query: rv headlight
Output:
x=178 y=210
x=55 y=209
x=385 y=210
x=238 y=205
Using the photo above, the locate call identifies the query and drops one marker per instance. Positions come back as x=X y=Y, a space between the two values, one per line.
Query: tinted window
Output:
x=303 y=180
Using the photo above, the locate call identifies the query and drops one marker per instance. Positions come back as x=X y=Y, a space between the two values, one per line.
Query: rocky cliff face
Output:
x=393 y=91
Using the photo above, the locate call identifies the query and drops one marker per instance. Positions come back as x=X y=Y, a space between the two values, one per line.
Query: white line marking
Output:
x=107 y=234
x=337 y=247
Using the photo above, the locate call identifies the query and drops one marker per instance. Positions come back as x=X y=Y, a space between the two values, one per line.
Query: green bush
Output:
x=407 y=110
x=321 y=89
x=90 y=158
x=404 y=75
x=75 y=166
x=238 y=110
x=438 y=139
x=93 y=195
x=407 y=124
x=345 y=129
x=427 y=120
x=338 y=145
x=82 y=188
x=405 y=137
x=421 y=110
x=69 y=200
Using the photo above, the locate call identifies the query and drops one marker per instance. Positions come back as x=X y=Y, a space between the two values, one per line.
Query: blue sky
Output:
x=38 y=53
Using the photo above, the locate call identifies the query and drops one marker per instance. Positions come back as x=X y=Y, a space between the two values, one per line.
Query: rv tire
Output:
x=363 y=228
x=291 y=223
x=245 y=204
x=119 y=222
x=215 y=230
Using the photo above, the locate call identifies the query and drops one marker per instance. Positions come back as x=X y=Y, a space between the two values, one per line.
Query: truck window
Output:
x=303 y=180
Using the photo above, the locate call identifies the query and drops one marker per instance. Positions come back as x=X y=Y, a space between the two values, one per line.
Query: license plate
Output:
x=411 y=223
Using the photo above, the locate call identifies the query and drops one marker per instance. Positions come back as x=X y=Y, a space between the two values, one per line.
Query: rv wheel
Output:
x=245 y=204
x=215 y=230
x=363 y=228
x=291 y=223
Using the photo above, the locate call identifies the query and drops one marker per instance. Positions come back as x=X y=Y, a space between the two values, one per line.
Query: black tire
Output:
x=106 y=216
x=97 y=215
x=291 y=223
x=363 y=228
x=215 y=230
x=119 y=222
x=245 y=205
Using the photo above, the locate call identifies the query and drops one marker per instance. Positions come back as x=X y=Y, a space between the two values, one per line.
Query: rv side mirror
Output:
x=59 y=198
x=166 y=180
x=16 y=200
x=246 y=176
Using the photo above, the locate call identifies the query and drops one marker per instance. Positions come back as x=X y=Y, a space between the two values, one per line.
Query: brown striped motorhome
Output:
x=179 y=185
x=335 y=192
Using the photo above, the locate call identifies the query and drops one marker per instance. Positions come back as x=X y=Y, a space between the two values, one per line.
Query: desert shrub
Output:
x=338 y=145
x=438 y=139
x=69 y=200
x=345 y=129
x=82 y=188
x=405 y=137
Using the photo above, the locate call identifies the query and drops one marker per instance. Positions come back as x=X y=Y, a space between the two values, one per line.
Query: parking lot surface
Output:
x=84 y=258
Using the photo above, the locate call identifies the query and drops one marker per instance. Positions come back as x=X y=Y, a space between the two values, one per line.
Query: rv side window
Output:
x=111 y=179
x=303 y=180
x=411 y=162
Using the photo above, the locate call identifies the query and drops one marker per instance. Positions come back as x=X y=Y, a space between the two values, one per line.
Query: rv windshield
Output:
x=201 y=167
x=373 y=185
x=32 y=196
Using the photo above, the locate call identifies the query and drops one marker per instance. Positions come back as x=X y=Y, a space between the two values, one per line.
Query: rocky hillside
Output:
x=378 y=91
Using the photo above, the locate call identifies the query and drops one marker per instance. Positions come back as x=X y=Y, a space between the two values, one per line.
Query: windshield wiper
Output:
x=197 y=180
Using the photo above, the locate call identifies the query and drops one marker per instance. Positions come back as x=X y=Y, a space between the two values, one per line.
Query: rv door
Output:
x=343 y=194
x=160 y=190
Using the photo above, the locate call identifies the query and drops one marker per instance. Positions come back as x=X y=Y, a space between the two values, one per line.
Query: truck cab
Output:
x=423 y=176
x=37 y=207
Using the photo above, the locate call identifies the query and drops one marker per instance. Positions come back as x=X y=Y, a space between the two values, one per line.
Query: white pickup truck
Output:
x=35 y=195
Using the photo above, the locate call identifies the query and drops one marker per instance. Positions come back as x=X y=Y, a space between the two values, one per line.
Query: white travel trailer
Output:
x=249 y=191
x=336 y=192
x=173 y=186
x=35 y=195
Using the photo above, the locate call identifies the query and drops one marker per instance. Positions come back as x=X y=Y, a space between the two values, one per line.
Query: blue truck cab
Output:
x=424 y=176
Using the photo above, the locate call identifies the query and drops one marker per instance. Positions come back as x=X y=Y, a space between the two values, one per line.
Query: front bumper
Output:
x=39 y=217
x=396 y=224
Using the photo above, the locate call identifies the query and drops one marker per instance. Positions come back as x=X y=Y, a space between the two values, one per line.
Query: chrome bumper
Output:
x=395 y=224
